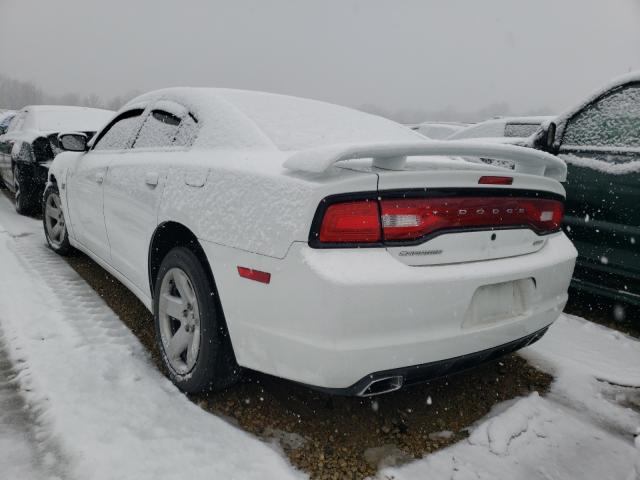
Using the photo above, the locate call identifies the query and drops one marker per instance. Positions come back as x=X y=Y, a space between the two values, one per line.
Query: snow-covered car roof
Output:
x=315 y=135
x=247 y=119
x=613 y=84
x=60 y=118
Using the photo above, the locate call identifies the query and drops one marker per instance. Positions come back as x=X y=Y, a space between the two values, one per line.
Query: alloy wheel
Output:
x=54 y=220
x=179 y=321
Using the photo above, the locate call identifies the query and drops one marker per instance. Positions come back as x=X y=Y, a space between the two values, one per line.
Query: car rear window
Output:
x=295 y=123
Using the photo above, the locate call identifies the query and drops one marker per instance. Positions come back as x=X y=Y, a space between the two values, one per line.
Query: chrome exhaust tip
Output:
x=382 y=385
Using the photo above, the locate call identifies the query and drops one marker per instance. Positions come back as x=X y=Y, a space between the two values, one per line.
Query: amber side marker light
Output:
x=495 y=180
x=257 y=275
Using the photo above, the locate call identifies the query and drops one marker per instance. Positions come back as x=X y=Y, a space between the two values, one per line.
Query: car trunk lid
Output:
x=471 y=220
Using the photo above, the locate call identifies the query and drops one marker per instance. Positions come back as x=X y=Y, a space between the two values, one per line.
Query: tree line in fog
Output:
x=15 y=94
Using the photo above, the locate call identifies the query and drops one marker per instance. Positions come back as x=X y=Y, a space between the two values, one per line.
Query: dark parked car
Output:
x=600 y=141
x=31 y=142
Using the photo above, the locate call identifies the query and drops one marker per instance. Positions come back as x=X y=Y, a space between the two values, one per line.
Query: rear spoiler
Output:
x=393 y=155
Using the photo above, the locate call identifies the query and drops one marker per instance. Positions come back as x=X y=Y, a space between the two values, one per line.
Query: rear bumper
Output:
x=428 y=371
x=329 y=318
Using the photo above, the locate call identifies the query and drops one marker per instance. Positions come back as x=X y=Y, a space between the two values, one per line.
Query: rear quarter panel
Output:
x=248 y=201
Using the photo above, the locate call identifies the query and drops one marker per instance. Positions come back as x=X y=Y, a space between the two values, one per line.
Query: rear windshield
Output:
x=297 y=124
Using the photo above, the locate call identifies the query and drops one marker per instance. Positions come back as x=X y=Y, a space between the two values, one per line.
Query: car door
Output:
x=134 y=185
x=85 y=184
x=601 y=144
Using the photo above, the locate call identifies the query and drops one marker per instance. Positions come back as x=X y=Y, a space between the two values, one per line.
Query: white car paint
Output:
x=328 y=317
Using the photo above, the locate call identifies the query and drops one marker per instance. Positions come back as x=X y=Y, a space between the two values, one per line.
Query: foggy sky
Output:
x=423 y=54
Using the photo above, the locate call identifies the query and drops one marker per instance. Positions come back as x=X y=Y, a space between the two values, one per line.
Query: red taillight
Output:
x=410 y=219
x=351 y=222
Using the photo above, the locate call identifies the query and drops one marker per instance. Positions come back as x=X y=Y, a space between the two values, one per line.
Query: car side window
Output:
x=612 y=121
x=119 y=134
x=164 y=129
x=159 y=130
x=187 y=131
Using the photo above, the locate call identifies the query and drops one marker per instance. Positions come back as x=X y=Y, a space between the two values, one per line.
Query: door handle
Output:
x=99 y=177
x=151 y=178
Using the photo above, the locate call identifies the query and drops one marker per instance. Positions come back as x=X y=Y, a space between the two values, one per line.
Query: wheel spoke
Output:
x=53 y=212
x=194 y=347
x=182 y=284
x=179 y=343
x=173 y=306
x=56 y=231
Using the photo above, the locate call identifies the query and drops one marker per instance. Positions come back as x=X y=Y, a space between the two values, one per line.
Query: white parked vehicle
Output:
x=311 y=241
x=505 y=130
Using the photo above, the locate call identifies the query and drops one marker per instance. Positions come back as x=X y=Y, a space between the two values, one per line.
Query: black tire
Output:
x=61 y=246
x=25 y=201
x=215 y=367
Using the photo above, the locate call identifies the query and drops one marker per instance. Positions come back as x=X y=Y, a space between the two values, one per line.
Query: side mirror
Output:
x=73 y=142
x=551 y=136
x=544 y=138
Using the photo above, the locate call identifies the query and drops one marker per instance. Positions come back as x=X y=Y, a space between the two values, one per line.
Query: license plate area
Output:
x=499 y=302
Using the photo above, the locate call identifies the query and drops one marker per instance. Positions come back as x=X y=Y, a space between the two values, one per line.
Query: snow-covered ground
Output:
x=95 y=396
x=80 y=399
x=583 y=429
x=19 y=457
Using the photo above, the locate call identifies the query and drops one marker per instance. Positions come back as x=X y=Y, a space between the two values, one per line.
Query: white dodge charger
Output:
x=311 y=241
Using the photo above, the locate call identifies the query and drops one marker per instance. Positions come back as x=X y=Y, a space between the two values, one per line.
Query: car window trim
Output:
x=124 y=115
x=157 y=107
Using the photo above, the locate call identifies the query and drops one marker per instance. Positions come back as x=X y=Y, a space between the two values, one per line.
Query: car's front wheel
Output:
x=55 y=225
x=190 y=331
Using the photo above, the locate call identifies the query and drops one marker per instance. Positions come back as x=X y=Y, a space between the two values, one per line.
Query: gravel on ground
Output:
x=341 y=437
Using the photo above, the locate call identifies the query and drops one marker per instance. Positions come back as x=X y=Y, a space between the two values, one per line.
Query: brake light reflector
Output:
x=351 y=222
x=495 y=180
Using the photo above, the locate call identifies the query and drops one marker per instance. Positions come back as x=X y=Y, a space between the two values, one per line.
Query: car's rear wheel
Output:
x=190 y=330
x=23 y=192
x=55 y=226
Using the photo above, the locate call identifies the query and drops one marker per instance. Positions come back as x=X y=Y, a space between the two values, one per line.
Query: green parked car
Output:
x=600 y=141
